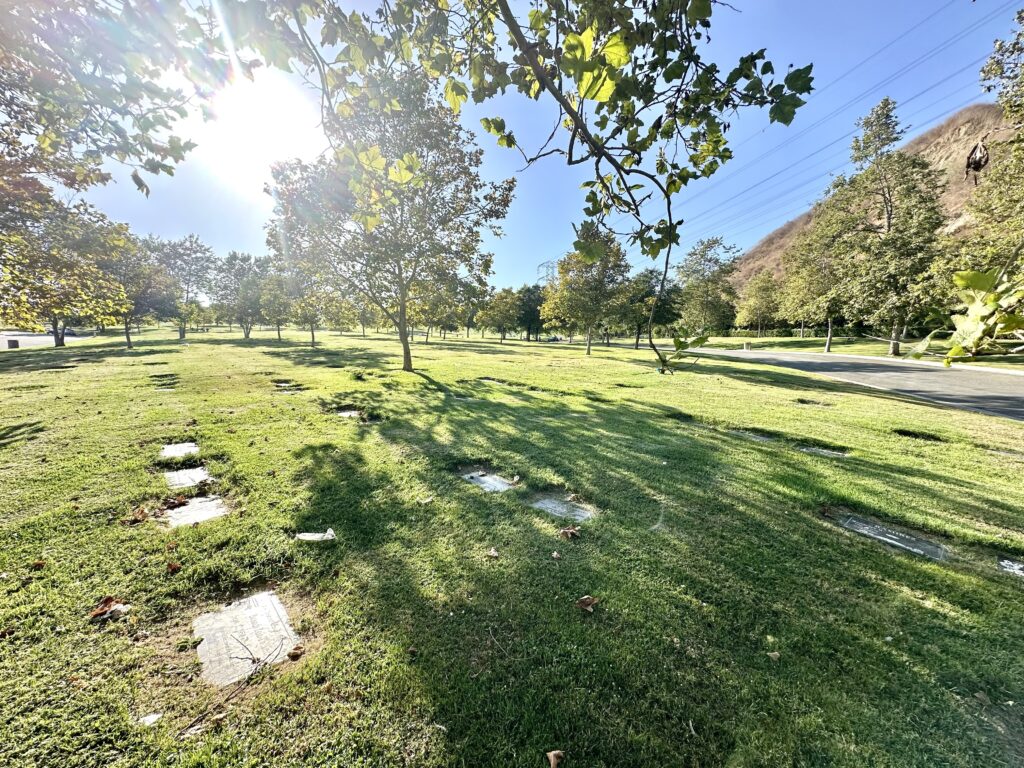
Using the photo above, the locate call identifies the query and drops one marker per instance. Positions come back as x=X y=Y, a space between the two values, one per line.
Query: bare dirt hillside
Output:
x=946 y=146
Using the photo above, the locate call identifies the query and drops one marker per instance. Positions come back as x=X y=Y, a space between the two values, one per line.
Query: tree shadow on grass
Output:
x=673 y=667
x=19 y=433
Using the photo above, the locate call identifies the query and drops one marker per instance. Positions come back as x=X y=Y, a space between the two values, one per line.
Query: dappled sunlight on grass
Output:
x=708 y=552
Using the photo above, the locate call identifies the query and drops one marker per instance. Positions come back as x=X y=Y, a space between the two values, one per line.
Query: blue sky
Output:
x=923 y=53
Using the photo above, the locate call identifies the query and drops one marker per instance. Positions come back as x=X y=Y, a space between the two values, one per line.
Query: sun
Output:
x=256 y=123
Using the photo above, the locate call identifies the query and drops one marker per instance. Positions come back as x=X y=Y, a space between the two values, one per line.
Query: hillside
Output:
x=946 y=146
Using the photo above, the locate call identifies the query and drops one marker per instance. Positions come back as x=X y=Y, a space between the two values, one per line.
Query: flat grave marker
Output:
x=819 y=451
x=251 y=631
x=197 y=510
x=178 y=450
x=328 y=535
x=187 y=478
x=751 y=435
x=488 y=481
x=904 y=541
x=1011 y=566
x=564 y=507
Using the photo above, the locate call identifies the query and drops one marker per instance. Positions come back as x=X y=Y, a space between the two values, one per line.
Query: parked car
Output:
x=553 y=338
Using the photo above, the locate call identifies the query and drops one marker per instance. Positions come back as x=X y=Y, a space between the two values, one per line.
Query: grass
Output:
x=854 y=345
x=710 y=551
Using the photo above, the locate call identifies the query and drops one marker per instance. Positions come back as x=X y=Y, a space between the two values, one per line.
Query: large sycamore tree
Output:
x=399 y=214
x=50 y=270
x=584 y=292
x=890 y=214
x=631 y=90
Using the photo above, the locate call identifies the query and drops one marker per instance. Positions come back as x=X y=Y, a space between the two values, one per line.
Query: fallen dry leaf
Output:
x=556 y=556
x=555 y=757
x=296 y=653
x=493 y=553
x=171 y=546
x=587 y=603
x=983 y=698
x=109 y=608
x=175 y=501
x=774 y=655
x=137 y=515
x=173 y=567
x=38 y=565
x=569 y=532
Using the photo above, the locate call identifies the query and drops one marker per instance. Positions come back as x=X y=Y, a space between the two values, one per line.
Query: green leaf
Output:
x=698 y=10
x=589 y=251
x=615 y=51
x=785 y=109
x=455 y=93
x=976 y=281
x=800 y=80
x=597 y=86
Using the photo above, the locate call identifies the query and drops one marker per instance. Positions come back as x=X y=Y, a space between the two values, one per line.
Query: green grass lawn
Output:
x=850 y=346
x=710 y=551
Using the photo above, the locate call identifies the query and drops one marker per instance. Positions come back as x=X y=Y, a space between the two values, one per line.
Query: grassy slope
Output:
x=843 y=345
x=709 y=553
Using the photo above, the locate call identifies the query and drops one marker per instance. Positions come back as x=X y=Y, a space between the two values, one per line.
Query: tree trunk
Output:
x=828 y=335
x=312 y=335
x=894 y=340
x=246 y=330
x=403 y=336
x=607 y=338
x=589 y=334
x=636 y=342
x=426 y=338
x=181 y=331
x=58 y=333
x=128 y=332
x=278 y=331
x=502 y=336
x=364 y=329
x=801 y=329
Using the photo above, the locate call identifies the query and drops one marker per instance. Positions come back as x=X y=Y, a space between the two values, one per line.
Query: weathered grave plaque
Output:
x=186 y=478
x=328 y=535
x=904 y=541
x=563 y=507
x=197 y=510
x=178 y=450
x=751 y=436
x=1011 y=566
x=237 y=639
x=164 y=389
x=349 y=414
x=817 y=451
x=488 y=482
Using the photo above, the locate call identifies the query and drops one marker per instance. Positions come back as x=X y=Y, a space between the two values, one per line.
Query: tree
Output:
x=759 y=304
x=401 y=214
x=890 y=214
x=636 y=97
x=635 y=300
x=50 y=271
x=276 y=303
x=812 y=287
x=707 y=297
x=237 y=281
x=987 y=270
x=530 y=298
x=190 y=264
x=501 y=312
x=149 y=290
x=585 y=289
x=84 y=81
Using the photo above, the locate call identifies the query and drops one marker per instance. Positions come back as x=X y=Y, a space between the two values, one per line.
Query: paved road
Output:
x=992 y=391
x=35 y=339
